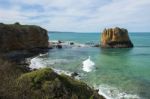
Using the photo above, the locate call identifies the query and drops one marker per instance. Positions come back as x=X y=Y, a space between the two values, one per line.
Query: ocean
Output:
x=118 y=73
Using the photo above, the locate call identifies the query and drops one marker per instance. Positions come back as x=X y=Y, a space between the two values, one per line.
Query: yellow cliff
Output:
x=115 y=38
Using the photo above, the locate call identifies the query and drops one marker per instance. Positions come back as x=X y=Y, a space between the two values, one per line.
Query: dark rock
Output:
x=1 y=23
x=96 y=45
x=15 y=37
x=115 y=38
x=74 y=74
x=60 y=41
x=17 y=23
x=89 y=43
x=97 y=90
x=59 y=46
x=71 y=43
x=50 y=47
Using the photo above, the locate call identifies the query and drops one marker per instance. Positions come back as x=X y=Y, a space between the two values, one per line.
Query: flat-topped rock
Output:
x=22 y=37
x=115 y=38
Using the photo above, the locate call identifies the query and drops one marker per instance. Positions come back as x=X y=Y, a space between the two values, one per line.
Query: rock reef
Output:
x=22 y=37
x=115 y=38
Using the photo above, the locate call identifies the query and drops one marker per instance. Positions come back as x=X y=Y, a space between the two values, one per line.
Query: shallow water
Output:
x=119 y=73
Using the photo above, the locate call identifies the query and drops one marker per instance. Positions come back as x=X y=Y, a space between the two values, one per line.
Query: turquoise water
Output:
x=77 y=37
x=125 y=71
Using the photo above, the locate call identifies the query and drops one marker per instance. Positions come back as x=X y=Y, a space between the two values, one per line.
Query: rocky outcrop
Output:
x=115 y=38
x=46 y=84
x=19 y=82
x=15 y=37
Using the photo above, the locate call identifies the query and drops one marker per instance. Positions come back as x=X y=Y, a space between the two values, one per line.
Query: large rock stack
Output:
x=115 y=38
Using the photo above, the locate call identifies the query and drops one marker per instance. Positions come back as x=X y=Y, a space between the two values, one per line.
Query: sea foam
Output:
x=113 y=93
x=68 y=44
x=36 y=63
x=88 y=65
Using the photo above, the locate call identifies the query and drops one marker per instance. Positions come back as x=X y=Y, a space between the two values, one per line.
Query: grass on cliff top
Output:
x=9 y=71
x=17 y=25
x=46 y=84
x=18 y=83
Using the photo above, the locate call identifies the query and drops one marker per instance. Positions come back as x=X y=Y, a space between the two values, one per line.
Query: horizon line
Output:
x=88 y=32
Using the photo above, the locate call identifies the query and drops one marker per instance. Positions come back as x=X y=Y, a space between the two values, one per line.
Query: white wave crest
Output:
x=67 y=44
x=114 y=93
x=88 y=65
x=36 y=63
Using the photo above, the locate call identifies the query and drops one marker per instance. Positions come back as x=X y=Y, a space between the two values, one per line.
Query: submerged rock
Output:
x=15 y=37
x=74 y=74
x=59 y=46
x=115 y=38
x=71 y=43
x=96 y=45
x=59 y=41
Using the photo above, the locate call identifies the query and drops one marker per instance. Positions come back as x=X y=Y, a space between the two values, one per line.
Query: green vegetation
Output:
x=18 y=25
x=18 y=83
x=46 y=84
x=9 y=71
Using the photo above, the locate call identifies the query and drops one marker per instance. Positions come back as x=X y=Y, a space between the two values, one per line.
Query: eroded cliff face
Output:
x=115 y=38
x=22 y=37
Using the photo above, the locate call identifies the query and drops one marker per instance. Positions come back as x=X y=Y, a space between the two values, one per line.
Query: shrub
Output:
x=18 y=83
x=46 y=84
x=9 y=71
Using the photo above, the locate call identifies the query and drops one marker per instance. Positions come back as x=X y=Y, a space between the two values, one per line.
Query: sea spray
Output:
x=107 y=91
x=125 y=69
x=36 y=63
x=113 y=93
x=39 y=62
x=67 y=44
x=88 y=65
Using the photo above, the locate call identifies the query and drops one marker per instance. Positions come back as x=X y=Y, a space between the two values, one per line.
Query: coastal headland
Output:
x=18 y=81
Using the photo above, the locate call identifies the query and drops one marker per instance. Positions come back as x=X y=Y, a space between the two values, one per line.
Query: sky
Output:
x=78 y=15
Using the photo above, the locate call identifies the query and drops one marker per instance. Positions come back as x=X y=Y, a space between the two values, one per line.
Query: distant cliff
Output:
x=22 y=37
x=115 y=38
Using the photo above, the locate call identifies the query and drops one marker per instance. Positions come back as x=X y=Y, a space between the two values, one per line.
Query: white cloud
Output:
x=80 y=15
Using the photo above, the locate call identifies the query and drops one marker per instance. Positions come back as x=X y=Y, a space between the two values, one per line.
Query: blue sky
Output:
x=78 y=15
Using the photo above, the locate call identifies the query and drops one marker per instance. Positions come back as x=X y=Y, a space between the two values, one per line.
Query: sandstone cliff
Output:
x=22 y=37
x=115 y=38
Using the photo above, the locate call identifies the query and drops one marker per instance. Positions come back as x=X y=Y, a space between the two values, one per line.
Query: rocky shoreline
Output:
x=19 y=81
x=69 y=44
x=28 y=41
